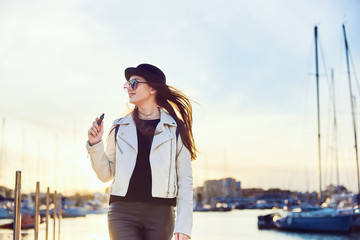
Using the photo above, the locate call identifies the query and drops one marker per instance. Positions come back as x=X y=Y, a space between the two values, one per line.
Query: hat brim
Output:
x=131 y=71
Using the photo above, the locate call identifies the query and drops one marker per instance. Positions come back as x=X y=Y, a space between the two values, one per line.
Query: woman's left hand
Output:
x=181 y=236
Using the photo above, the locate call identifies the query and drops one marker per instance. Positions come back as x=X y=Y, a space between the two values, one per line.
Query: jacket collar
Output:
x=165 y=118
x=128 y=133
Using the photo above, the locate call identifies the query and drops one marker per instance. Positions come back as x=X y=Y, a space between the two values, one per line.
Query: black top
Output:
x=139 y=189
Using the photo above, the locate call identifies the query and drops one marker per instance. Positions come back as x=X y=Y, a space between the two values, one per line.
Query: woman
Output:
x=148 y=154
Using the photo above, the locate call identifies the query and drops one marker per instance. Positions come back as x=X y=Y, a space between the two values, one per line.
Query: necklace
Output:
x=150 y=116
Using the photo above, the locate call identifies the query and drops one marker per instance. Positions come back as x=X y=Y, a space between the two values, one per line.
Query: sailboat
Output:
x=355 y=211
x=324 y=219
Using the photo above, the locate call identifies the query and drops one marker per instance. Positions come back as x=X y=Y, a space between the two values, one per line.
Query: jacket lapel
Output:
x=160 y=138
x=128 y=132
x=163 y=131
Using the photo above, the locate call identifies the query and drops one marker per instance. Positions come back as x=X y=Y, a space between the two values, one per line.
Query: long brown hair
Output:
x=178 y=105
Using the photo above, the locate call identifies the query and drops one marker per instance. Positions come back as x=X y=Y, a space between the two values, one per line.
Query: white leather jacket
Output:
x=170 y=163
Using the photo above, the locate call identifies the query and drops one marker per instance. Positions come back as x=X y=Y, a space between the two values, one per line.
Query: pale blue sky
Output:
x=247 y=63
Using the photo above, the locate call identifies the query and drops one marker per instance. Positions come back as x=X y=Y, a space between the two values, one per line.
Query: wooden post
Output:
x=60 y=214
x=47 y=213
x=54 y=214
x=37 y=195
x=17 y=212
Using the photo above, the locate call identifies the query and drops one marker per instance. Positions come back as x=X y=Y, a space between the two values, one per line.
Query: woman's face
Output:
x=144 y=93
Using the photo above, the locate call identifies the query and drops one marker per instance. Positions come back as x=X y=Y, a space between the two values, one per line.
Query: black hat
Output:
x=147 y=71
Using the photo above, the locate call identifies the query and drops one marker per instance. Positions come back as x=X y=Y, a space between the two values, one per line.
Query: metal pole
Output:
x=335 y=131
x=17 y=213
x=60 y=214
x=318 y=113
x=54 y=214
x=47 y=214
x=37 y=195
x=352 y=108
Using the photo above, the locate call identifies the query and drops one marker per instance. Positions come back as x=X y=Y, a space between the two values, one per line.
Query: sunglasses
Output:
x=133 y=84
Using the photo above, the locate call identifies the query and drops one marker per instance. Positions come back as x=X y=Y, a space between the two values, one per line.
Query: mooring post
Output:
x=47 y=213
x=37 y=209
x=60 y=214
x=17 y=211
x=54 y=214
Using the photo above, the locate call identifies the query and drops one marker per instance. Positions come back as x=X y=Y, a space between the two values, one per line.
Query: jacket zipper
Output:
x=117 y=145
x=170 y=168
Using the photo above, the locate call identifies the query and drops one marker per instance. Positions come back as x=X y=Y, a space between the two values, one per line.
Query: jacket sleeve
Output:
x=103 y=162
x=184 y=216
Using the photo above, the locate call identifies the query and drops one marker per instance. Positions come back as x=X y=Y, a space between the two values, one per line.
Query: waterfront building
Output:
x=226 y=188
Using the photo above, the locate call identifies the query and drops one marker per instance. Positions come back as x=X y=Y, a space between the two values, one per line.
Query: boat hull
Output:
x=266 y=221
x=356 y=223
x=315 y=224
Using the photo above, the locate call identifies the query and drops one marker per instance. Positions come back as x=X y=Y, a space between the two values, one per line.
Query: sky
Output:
x=249 y=67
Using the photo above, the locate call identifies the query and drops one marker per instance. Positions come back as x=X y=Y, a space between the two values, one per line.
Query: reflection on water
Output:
x=234 y=225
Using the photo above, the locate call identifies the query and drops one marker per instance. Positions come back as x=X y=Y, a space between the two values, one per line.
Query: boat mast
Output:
x=318 y=112
x=335 y=131
x=352 y=106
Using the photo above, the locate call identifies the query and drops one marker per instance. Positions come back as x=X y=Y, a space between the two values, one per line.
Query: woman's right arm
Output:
x=102 y=163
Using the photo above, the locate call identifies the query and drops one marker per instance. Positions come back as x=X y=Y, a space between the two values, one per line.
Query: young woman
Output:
x=148 y=154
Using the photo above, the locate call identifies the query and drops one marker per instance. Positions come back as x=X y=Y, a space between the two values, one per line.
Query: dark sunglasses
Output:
x=133 y=84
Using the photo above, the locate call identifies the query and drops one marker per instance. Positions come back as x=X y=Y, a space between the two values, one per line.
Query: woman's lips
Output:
x=131 y=94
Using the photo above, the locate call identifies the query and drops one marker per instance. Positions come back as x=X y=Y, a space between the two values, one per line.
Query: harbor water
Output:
x=233 y=225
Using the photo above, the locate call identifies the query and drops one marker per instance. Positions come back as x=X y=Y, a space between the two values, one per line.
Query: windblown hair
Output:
x=178 y=105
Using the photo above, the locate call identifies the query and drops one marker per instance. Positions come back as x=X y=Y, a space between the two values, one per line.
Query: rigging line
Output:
x=349 y=174
x=347 y=169
x=306 y=102
x=332 y=145
x=355 y=113
x=347 y=153
x=335 y=145
x=330 y=86
x=327 y=174
x=327 y=149
x=354 y=72
x=341 y=145
x=332 y=168
x=324 y=65
x=310 y=58
x=353 y=107
x=308 y=83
